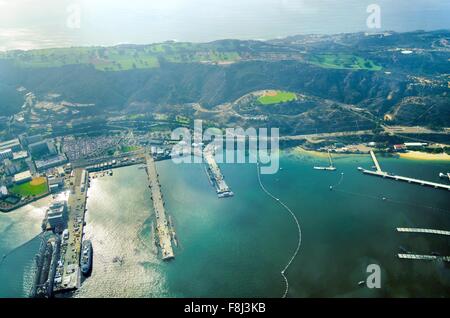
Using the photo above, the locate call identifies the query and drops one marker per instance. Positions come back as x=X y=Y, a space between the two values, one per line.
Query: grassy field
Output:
x=120 y=58
x=125 y=149
x=35 y=187
x=276 y=97
x=343 y=61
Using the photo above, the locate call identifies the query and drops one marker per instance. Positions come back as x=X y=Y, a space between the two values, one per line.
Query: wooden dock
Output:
x=381 y=173
x=162 y=224
x=418 y=230
x=424 y=257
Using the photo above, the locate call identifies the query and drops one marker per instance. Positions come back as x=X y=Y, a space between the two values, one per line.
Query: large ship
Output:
x=86 y=257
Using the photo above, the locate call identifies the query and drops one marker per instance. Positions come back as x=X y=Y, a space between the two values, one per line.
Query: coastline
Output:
x=417 y=155
x=320 y=154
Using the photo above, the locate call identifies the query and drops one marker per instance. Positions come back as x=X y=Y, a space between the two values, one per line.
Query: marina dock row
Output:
x=163 y=227
x=427 y=231
x=380 y=173
x=424 y=257
x=215 y=174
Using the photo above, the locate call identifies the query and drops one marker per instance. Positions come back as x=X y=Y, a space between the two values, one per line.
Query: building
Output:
x=10 y=167
x=6 y=154
x=28 y=140
x=55 y=183
x=22 y=177
x=39 y=148
x=20 y=155
x=415 y=144
x=52 y=162
x=3 y=191
x=55 y=214
x=13 y=144
x=399 y=147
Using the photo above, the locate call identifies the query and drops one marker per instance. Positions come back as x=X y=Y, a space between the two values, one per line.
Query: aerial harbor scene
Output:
x=299 y=161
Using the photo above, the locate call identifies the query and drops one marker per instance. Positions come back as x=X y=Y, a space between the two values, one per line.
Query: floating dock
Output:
x=426 y=231
x=380 y=173
x=216 y=176
x=163 y=226
x=424 y=257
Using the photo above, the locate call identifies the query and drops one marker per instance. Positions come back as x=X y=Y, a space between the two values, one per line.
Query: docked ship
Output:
x=86 y=257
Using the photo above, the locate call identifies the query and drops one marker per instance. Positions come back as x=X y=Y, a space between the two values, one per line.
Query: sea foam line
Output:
x=299 y=242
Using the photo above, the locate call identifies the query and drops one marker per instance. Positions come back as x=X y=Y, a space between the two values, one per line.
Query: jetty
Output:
x=380 y=173
x=72 y=241
x=426 y=231
x=215 y=174
x=331 y=167
x=424 y=257
x=163 y=225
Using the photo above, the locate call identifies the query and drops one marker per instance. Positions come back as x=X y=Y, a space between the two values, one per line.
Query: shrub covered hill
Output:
x=403 y=77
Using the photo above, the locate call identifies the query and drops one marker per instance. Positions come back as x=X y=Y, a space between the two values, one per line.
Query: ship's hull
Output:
x=86 y=258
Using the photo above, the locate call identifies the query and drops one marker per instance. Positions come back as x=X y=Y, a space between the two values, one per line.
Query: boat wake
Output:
x=299 y=242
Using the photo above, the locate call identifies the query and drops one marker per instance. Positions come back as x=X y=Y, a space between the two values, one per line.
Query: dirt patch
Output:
x=37 y=181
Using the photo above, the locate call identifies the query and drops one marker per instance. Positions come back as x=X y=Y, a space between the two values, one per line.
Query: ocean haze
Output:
x=26 y=24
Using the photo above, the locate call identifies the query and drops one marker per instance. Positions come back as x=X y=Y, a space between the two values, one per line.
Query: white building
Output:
x=6 y=154
x=23 y=177
x=3 y=191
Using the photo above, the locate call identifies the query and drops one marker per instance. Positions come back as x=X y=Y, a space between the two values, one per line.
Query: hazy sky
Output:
x=26 y=24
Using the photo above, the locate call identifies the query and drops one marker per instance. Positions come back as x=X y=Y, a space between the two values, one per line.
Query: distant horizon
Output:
x=225 y=39
x=26 y=25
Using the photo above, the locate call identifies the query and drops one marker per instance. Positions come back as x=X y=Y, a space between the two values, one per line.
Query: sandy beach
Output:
x=321 y=154
x=417 y=155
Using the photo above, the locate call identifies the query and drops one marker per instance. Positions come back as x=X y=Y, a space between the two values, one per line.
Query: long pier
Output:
x=71 y=249
x=380 y=173
x=163 y=227
x=418 y=230
x=424 y=257
x=222 y=189
x=375 y=161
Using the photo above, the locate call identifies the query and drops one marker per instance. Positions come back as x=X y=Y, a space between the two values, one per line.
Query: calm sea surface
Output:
x=238 y=246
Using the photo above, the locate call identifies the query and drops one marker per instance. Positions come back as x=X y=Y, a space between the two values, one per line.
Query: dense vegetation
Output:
x=368 y=72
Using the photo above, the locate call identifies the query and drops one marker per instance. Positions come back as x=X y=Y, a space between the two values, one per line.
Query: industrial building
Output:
x=22 y=177
x=3 y=191
x=13 y=144
x=6 y=154
x=52 y=162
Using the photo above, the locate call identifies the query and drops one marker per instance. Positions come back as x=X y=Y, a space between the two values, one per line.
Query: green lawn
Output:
x=27 y=189
x=120 y=58
x=277 y=98
x=129 y=148
x=343 y=61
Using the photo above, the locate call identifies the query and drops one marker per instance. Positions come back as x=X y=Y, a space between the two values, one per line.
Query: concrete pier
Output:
x=424 y=257
x=215 y=174
x=71 y=252
x=381 y=173
x=163 y=228
x=426 y=231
